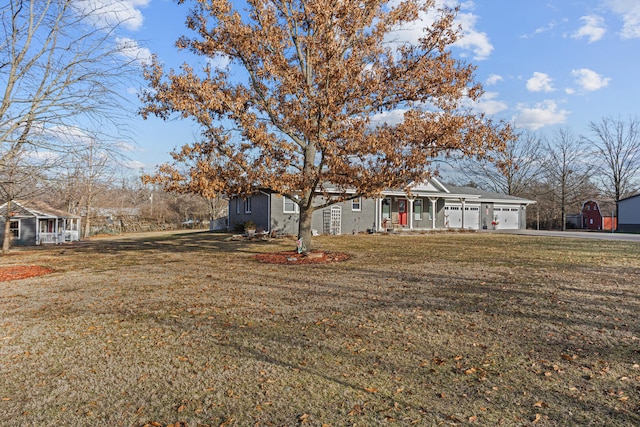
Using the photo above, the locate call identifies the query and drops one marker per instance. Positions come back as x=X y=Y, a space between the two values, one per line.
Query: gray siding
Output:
x=629 y=215
x=281 y=222
x=259 y=211
x=27 y=232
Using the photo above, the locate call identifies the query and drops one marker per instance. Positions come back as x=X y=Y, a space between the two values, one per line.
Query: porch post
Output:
x=433 y=212
x=463 y=206
x=411 y=212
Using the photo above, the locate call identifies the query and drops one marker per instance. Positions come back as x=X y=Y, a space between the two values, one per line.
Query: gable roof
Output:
x=25 y=209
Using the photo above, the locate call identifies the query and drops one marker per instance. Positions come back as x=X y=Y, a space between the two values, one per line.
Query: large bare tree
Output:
x=512 y=171
x=617 y=150
x=61 y=69
x=298 y=109
x=566 y=169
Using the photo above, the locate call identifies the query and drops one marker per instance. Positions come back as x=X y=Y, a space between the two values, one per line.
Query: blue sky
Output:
x=543 y=64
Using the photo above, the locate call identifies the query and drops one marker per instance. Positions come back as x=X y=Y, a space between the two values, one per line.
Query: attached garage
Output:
x=472 y=217
x=507 y=217
x=453 y=215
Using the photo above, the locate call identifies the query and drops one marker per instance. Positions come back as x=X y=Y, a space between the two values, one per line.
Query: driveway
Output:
x=574 y=234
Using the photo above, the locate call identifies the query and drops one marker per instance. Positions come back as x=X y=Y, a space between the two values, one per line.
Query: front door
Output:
x=402 y=212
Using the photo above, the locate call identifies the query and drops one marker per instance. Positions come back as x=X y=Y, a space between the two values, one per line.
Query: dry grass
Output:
x=449 y=329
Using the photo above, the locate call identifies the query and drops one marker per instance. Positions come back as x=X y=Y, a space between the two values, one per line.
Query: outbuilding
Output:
x=629 y=214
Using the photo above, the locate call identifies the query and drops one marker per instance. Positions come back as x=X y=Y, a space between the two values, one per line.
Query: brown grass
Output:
x=448 y=329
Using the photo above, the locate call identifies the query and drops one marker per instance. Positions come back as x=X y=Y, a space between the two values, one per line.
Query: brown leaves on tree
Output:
x=304 y=113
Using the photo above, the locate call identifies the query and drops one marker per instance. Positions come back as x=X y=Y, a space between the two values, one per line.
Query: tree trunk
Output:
x=6 y=240
x=304 y=228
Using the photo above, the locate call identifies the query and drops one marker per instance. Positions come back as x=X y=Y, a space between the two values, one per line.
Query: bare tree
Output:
x=566 y=170
x=512 y=171
x=61 y=70
x=617 y=145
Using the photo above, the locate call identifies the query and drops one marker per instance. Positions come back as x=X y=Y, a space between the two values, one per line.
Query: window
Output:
x=417 y=210
x=14 y=228
x=247 y=205
x=290 y=206
x=386 y=209
x=238 y=205
x=356 y=204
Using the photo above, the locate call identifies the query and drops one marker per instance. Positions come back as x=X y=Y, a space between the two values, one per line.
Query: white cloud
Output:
x=132 y=50
x=543 y=114
x=219 y=61
x=389 y=117
x=629 y=10
x=489 y=104
x=540 y=82
x=493 y=79
x=590 y=80
x=111 y=12
x=470 y=38
x=593 y=28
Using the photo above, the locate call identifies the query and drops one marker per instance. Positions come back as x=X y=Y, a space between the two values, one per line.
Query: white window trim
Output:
x=296 y=208
x=247 y=205
x=417 y=216
x=238 y=206
x=358 y=201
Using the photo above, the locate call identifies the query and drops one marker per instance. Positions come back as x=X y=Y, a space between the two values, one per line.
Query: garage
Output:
x=453 y=215
x=472 y=217
x=507 y=217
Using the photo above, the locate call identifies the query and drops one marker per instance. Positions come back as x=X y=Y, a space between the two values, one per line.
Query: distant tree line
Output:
x=562 y=172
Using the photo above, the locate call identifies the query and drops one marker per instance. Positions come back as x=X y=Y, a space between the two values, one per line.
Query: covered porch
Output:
x=55 y=230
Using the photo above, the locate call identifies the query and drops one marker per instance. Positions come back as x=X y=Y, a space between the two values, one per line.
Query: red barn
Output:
x=594 y=218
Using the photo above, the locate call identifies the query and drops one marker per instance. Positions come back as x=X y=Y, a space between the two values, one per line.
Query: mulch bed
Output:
x=293 y=258
x=16 y=272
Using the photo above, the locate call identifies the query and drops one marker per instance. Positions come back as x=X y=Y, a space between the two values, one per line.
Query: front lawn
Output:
x=438 y=329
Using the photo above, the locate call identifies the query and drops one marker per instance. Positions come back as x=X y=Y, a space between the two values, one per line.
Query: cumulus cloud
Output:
x=540 y=82
x=471 y=39
x=389 y=117
x=589 y=80
x=493 y=79
x=543 y=114
x=593 y=28
x=489 y=104
x=132 y=50
x=629 y=11
x=111 y=12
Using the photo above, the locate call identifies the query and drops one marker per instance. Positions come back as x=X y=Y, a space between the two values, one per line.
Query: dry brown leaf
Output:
x=181 y=408
x=536 y=419
x=371 y=390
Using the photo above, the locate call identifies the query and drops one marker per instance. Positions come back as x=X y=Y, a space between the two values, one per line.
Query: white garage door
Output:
x=453 y=215
x=472 y=217
x=507 y=217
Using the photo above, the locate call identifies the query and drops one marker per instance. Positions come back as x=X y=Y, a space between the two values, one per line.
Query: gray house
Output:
x=36 y=223
x=429 y=206
x=629 y=214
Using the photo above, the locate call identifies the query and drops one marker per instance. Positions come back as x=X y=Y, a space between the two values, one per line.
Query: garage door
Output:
x=453 y=216
x=507 y=217
x=472 y=217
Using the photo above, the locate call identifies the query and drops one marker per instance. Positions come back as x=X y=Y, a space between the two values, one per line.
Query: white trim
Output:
x=357 y=200
x=296 y=208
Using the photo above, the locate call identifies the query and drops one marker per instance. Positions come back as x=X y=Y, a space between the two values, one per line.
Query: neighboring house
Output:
x=594 y=216
x=36 y=223
x=629 y=214
x=430 y=206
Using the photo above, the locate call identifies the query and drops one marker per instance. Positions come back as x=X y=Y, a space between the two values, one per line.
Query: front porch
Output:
x=57 y=230
x=402 y=213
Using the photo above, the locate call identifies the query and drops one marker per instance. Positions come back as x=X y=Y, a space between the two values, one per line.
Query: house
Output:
x=36 y=223
x=629 y=214
x=594 y=216
x=429 y=206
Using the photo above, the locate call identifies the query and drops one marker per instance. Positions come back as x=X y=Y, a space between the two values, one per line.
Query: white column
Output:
x=463 y=206
x=433 y=212
x=410 y=213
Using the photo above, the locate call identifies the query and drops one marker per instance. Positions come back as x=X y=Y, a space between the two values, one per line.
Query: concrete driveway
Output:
x=574 y=234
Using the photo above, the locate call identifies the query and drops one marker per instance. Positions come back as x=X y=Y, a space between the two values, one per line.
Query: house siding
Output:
x=629 y=214
x=259 y=211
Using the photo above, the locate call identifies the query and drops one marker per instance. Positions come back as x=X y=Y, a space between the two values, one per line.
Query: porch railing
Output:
x=61 y=237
